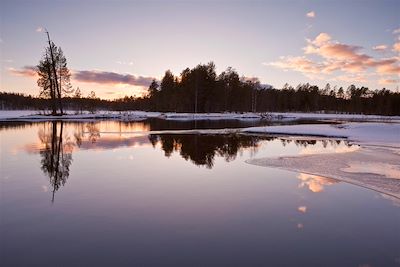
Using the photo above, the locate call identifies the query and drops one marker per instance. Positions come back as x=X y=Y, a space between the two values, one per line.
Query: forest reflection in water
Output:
x=124 y=193
x=58 y=140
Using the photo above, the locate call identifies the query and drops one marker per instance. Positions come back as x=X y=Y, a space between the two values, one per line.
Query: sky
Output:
x=116 y=48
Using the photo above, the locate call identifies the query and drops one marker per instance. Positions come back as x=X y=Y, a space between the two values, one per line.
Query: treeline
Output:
x=26 y=102
x=200 y=89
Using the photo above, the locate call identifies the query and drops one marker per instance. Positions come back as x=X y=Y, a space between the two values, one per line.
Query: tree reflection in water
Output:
x=56 y=157
x=57 y=149
x=201 y=149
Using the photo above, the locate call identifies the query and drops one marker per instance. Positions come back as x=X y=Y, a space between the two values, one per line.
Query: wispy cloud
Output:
x=311 y=14
x=39 y=29
x=389 y=81
x=380 y=48
x=27 y=71
x=129 y=63
x=351 y=78
x=299 y=63
x=396 y=31
x=110 y=78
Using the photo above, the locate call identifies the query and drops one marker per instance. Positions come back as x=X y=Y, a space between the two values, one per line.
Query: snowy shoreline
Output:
x=29 y=115
x=376 y=165
x=360 y=133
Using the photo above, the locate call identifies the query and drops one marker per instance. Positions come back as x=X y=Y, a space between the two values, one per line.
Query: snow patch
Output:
x=373 y=168
x=380 y=168
x=363 y=133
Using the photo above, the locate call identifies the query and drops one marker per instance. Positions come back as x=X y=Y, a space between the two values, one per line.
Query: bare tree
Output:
x=54 y=76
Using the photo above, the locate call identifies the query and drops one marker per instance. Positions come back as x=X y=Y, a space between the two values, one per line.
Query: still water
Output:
x=113 y=193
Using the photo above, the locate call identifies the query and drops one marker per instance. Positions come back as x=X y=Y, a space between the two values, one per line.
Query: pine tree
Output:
x=54 y=76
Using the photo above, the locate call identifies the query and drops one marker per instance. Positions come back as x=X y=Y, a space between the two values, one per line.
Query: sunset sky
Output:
x=115 y=48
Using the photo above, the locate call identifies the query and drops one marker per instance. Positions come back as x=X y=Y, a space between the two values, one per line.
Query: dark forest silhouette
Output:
x=201 y=90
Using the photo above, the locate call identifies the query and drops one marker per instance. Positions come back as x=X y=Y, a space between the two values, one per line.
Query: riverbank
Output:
x=30 y=115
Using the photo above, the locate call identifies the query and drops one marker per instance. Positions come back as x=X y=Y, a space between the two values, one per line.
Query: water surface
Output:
x=110 y=193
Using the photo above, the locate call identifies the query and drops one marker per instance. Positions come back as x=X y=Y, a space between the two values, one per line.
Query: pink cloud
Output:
x=297 y=63
x=110 y=78
x=310 y=14
x=351 y=78
x=27 y=71
x=321 y=39
x=380 y=48
x=396 y=47
x=345 y=60
x=388 y=69
x=97 y=77
x=389 y=81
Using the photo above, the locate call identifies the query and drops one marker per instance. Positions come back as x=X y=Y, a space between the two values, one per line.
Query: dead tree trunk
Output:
x=53 y=64
x=52 y=89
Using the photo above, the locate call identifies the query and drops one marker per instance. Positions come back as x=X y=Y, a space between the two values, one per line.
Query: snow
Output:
x=376 y=165
x=7 y=114
x=18 y=115
x=373 y=168
x=380 y=168
x=334 y=116
x=362 y=133
x=212 y=116
x=26 y=115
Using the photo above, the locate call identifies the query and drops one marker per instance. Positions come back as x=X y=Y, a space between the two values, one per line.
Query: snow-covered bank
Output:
x=131 y=116
x=376 y=165
x=214 y=116
x=10 y=114
x=333 y=116
x=374 y=168
x=26 y=115
x=362 y=133
x=23 y=115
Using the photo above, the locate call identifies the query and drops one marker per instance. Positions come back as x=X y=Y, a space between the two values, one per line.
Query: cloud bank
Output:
x=27 y=71
x=92 y=76
x=340 y=61
x=110 y=78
